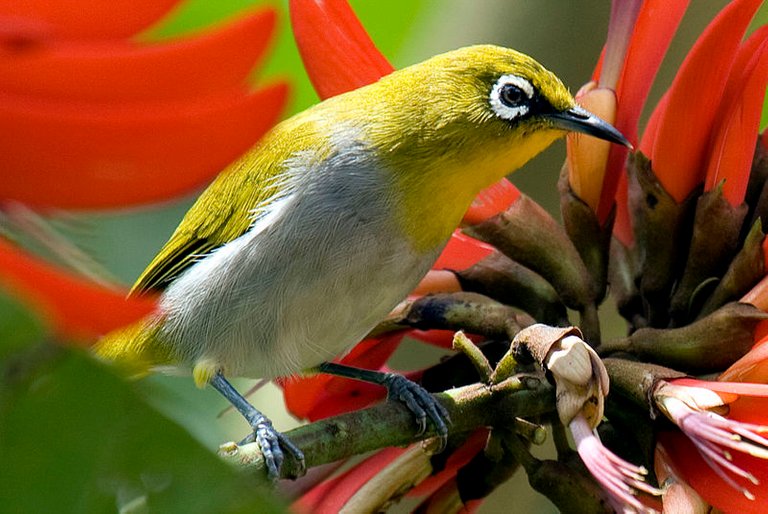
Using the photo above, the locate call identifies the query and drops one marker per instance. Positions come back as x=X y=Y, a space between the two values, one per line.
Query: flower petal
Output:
x=491 y=201
x=86 y=156
x=758 y=295
x=461 y=252
x=338 y=54
x=689 y=464
x=684 y=131
x=118 y=71
x=752 y=367
x=620 y=32
x=731 y=389
x=331 y=496
x=678 y=496
x=735 y=132
x=651 y=131
x=437 y=281
x=74 y=308
x=439 y=338
x=322 y=395
x=455 y=461
x=656 y=25
x=587 y=157
x=90 y=19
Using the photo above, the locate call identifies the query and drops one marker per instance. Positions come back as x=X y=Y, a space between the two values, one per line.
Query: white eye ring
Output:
x=503 y=110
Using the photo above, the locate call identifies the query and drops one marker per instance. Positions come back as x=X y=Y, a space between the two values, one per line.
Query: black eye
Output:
x=512 y=96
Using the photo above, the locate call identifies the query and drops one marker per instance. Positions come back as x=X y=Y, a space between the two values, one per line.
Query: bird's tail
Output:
x=136 y=348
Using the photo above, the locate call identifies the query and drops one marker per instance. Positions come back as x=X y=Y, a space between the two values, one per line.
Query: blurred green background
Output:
x=565 y=36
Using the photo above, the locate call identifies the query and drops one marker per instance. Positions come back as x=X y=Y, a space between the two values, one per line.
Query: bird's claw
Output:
x=274 y=446
x=422 y=404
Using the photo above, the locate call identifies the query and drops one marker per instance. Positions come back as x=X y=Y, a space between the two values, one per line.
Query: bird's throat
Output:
x=434 y=199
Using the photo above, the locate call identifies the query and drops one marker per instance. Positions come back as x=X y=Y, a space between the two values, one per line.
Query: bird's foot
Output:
x=274 y=446
x=422 y=404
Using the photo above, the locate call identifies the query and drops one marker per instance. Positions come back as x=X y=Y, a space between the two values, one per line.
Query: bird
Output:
x=300 y=247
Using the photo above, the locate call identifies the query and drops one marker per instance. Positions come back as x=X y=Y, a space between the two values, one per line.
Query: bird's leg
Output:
x=422 y=404
x=271 y=442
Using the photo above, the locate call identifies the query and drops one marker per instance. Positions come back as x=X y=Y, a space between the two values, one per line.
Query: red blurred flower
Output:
x=115 y=122
x=74 y=308
x=92 y=20
x=93 y=119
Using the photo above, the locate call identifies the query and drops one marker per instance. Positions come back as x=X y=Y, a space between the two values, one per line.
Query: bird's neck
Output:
x=436 y=196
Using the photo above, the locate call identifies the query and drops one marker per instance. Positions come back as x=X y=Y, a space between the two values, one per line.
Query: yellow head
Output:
x=458 y=122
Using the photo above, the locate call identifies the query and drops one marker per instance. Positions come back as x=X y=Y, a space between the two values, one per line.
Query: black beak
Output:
x=577 y=119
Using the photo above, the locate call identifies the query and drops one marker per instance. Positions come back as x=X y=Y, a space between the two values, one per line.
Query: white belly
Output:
x=308 y=280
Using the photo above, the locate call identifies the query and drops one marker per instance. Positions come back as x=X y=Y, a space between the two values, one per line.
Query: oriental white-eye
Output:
x=305 y=243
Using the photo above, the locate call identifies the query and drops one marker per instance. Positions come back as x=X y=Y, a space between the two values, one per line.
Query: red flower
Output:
x=75 y=309
x=92 y=20
x=333 y=494
x=738 y=119
x=105 y=119
x=704 y=131
x=721 y=457
x=95 y=120
x=685 y=120
x=633 y=58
